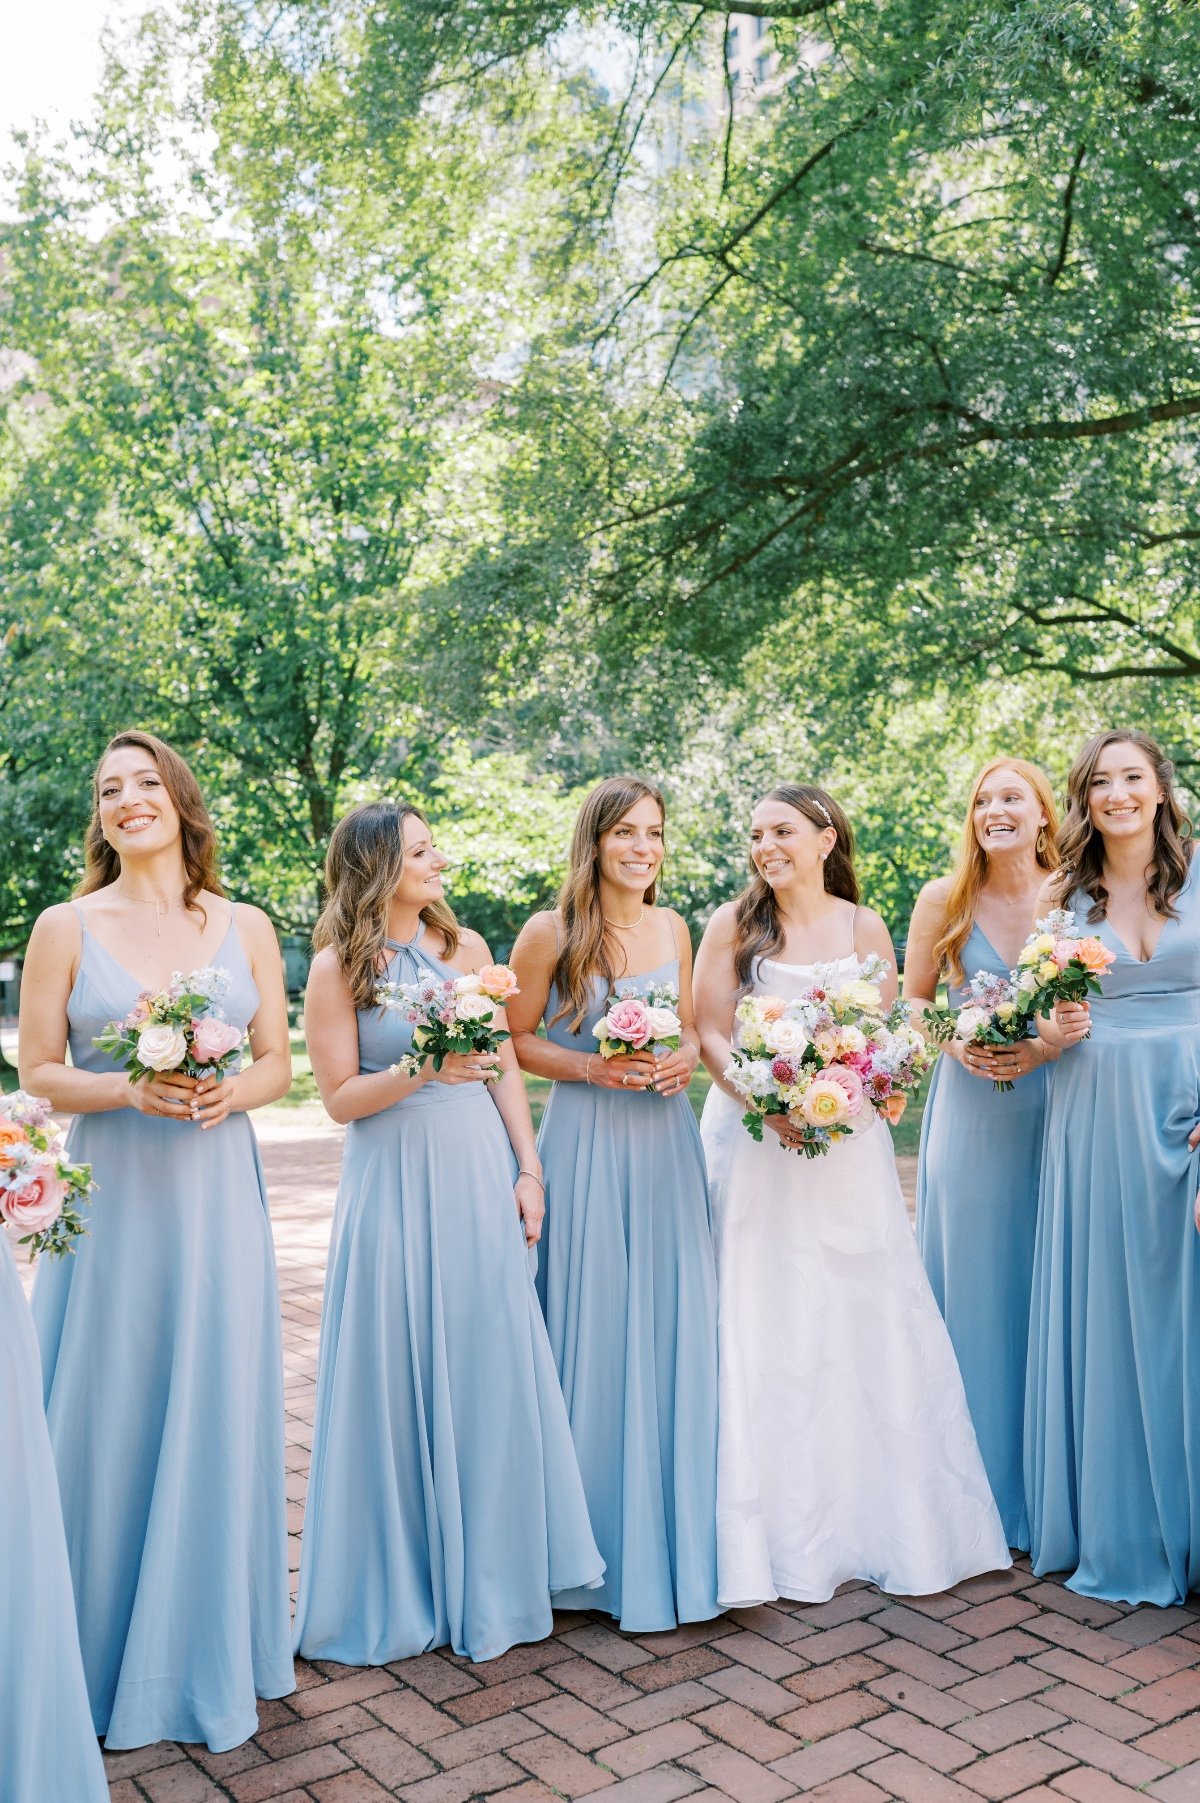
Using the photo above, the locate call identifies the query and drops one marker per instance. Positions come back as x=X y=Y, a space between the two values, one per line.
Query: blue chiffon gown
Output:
x=977 y=1201
x=48 y=1746
x=628 y=1284
x=444 y=1502
x=163 y=1378
x=1113 y=1412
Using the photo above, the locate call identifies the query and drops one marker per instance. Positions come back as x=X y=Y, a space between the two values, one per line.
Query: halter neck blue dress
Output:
x=1112 y=1448
x=49 y=1746
x=444 y=1501
x=163 y=1368
x=628 y=1282
x=977 y=1201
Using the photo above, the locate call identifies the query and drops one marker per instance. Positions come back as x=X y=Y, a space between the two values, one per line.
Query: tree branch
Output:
x=1056 y=268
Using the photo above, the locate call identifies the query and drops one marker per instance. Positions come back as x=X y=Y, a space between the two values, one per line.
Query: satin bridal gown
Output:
x=845 y=1448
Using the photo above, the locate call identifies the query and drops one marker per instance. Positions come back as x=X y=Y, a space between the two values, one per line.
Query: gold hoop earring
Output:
x=1042 y=841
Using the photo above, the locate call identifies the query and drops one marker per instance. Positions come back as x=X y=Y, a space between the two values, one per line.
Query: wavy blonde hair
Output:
x=1082 y=847
x=756 y=926
x=583 y=951
x=362 y=869
x=971 y=872
x=102 y=861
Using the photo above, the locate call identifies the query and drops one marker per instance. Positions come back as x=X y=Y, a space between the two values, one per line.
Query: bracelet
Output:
x=587 y=1069
x=522 y=1172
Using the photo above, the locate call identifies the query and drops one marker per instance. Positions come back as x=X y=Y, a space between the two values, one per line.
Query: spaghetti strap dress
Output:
x=163 y=1378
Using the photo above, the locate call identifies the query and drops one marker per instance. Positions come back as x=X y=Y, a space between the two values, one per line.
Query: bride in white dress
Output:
x=845 y=1449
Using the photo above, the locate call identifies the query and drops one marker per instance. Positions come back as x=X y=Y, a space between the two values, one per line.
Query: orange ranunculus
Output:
x=12 y=1135
x=892 y=1107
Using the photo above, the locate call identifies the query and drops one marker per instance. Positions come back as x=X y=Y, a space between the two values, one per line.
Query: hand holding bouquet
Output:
x=179 y=1028
x=1059 y=964
x=823 y=1056
x=451 y=1015
x=641 y=1021
x=40 y=1190
x=991 y=1015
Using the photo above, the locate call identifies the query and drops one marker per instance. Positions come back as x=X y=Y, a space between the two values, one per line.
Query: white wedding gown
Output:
x=845 y=1449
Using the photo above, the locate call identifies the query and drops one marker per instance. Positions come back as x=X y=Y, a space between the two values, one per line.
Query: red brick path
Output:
x=1007 y=1687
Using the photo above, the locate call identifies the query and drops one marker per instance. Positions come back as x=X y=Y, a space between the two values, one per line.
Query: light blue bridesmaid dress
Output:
x=444 y=1502
x=163 y=1377
x=1112 y=1434
x=48 y=1746
x=977 y=1197
x=628 y=1284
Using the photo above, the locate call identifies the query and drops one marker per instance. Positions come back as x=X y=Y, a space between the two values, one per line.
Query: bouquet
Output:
x=991 y=1015
x=450 y=1014
x=40 y=1190
x=1059 y=964
x=822 y=1057
x=179 y=1028
x=640 y=1021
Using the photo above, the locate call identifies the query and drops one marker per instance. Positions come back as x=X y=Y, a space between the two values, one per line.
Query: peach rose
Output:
x=770 y=1008
x=1094 y=956
x=11 y=1134
x=498 y=981
x=38 y=1201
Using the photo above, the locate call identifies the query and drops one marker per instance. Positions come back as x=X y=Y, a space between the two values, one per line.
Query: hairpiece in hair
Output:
x=822 y=809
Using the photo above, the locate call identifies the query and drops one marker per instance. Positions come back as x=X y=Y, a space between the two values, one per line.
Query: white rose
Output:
x=858 y=994
x=474 y=1007
x=968 y=1020
x=664 y=1023
x=468 y=985
x=785 y=1037
x=162 y=1048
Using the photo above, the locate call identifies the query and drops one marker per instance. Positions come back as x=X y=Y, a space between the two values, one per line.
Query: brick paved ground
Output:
x=1007 y=1687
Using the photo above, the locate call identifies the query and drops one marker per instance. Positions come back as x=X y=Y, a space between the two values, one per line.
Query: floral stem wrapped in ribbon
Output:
x=991 y=1015
x=179 y=1028
x=450 y=1014
x=640 y=1020
x=824 y=1056
x=40 y=1190
x=1059 y=964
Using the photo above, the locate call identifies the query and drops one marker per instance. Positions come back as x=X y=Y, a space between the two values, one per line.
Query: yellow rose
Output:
x=1006 y=1010
x=1047 y=969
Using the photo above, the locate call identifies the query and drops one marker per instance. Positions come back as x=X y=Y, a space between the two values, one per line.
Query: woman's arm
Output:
x=717 y=990
x=512 y=1105
x=331 y=1034
x=673 y=1071
x=871 y=935
x=269 y=1074
x=533 y=959
x=921 y=973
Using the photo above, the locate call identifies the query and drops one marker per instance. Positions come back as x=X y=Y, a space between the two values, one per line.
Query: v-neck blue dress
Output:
x=48 y=1747
x=977 y=1202
x=444 y=1502
x=628 y=1282
x=1112 y=1450
x=163 y=1375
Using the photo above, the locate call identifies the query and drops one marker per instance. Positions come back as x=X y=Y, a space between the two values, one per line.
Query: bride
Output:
x=845 y=1449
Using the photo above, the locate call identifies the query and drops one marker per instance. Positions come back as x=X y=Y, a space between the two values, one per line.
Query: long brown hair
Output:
x=102 y=861
x=362 y=868
x=757 y=929
x=971 y=871
x=1082 y=847
x=583 y=951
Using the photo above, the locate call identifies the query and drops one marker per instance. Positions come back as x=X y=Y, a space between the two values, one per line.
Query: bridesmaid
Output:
x=50 y=1747
x=444 y=1504
x=1112 y=1458
x=160 y=1337
x=981 y=1148
x=629 y=1284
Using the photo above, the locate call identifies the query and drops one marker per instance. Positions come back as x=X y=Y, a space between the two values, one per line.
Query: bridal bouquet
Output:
x=40 y=1189
x=179 y=1028
x=1059 y=964
x=640 y=1021
x=992 y=1014
x=450 y=1014
x=823 y=1056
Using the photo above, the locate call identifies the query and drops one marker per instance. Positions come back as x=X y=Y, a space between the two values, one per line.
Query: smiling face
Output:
x=787 y=847
x=1006 y=814
x=1124 y=793
x=629 y=854
x=421 y=877
x=137 y=815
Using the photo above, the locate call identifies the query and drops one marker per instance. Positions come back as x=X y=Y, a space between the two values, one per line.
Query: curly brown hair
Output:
x=102 y=861
x=756 y=928
x=584 y=949
x=1082 y=847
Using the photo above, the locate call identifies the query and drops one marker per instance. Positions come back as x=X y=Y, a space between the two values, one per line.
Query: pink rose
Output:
x=37 y=1202
x=212 y=1039
x=850 y=1081
x=628 y=1020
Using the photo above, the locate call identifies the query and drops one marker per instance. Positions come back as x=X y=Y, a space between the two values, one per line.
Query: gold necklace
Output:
x=625 y=926
x=160 y=907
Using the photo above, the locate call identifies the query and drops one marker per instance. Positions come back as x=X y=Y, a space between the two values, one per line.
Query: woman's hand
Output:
x=673 y=1070
x=1070 y=1022
x=468 y=1067
x=1004 y=1063
x=167 y=1094
x=531 y=1206
x=977 y=1060
x=789 y=1132
x=627 y=1070
x=212 y=1100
